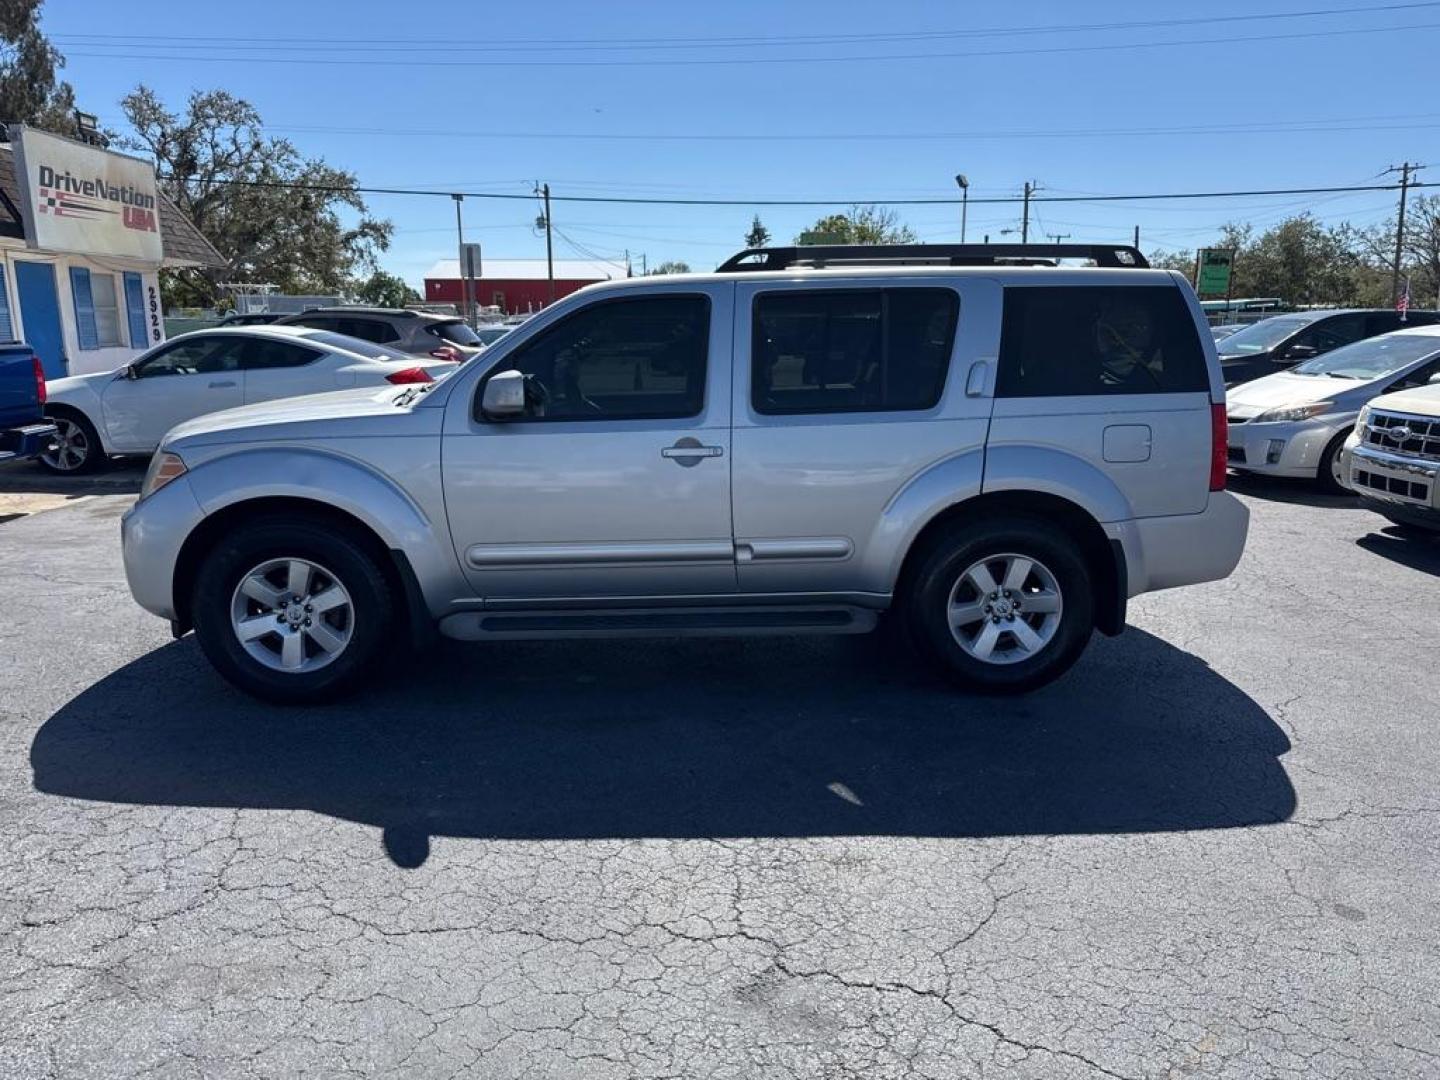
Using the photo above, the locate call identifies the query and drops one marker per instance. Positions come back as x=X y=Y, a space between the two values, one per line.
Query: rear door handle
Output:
x=688 y=452
x=226 y=382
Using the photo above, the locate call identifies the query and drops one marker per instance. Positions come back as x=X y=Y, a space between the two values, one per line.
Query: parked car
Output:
x=250 y=318
x=1003 y=454
x=1283 y=341
x=24 y=431
x=1294 y=423
x=1392 y=458
x=491 y=333
x=129 y=411
x=418 y=333
x=1220 y=333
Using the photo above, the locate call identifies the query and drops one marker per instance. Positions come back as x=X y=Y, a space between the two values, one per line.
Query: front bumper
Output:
x=1185 y=549
x=1398 y=480
x=151 y=536
x=1290 y=448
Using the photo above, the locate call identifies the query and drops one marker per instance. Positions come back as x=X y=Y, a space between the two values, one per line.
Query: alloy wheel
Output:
x=292 y=615
x=1005 y=608
x=70 y=449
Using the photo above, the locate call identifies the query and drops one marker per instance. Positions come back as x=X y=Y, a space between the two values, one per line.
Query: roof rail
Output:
x=817 y=255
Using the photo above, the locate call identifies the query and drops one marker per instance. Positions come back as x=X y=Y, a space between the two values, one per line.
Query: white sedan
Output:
x=130 y=410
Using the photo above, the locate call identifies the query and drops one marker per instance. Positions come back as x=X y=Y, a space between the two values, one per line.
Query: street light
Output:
x=964 y=182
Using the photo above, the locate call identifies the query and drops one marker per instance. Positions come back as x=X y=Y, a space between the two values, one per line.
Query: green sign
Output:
x=1213 y=277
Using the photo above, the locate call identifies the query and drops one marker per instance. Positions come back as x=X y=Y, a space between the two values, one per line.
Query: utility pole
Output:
x=644 y=265
x=549 y=245
x=1137 y=237
x=1406 y=171
x=1058 y=236
x=460 y=261
x=1030 y=189
x=964 y=182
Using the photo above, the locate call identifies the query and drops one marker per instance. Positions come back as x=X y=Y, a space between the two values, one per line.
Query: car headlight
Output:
x=164 y=467
x=1362 y=420
x=1294 y=412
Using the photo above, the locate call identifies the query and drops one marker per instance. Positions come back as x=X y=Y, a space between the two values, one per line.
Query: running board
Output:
x=657 y=622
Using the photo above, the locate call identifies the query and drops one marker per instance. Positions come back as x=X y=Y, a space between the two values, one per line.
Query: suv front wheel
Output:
x=294 y=611
x=1003 y=606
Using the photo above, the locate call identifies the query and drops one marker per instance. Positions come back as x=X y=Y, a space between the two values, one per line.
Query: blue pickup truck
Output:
x=24 y=431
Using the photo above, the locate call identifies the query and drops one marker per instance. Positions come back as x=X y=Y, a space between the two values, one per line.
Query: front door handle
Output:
x=687 y=452
x=225 y=382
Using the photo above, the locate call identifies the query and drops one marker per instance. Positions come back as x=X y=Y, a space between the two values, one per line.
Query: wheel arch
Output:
x=70 y=409
x=1103 y=556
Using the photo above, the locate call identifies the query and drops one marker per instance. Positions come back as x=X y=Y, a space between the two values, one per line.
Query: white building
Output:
x=83 y=232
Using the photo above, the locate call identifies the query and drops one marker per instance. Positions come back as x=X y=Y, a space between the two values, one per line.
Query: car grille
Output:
x=1410 y=490
x=1396 y=433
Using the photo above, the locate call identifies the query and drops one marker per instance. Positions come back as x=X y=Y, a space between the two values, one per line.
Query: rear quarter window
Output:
x=1063 y=341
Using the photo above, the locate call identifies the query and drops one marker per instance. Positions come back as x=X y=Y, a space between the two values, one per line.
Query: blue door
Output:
x=40 y=314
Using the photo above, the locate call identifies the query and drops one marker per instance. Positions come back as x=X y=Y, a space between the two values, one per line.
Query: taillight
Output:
x=409 y=375
x=1219 y=446
x=446 y=352
x=39 y=378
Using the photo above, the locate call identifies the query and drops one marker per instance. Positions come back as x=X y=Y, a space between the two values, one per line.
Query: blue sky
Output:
x=1081 y=98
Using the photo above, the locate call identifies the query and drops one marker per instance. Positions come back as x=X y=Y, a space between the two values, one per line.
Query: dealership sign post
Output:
x=1212 y=277
x=86 y=200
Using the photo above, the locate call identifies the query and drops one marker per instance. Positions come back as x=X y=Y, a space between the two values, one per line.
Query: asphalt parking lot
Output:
x=1211 y=850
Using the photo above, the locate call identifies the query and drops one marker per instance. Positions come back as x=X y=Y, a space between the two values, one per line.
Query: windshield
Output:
x=1373 y=358
x=457 y=333
x=1264 y=335
x=368 y=349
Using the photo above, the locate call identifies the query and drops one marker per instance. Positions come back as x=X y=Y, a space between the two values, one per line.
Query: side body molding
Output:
x=346 y=484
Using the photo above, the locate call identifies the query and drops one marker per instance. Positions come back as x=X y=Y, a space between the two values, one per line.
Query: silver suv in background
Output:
x=999 y=449
x=419 y=333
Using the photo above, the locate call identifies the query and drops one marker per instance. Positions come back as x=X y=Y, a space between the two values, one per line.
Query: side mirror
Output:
x=129 y=372
x=504 y=396
x=1434 y=380
x=1299 y=352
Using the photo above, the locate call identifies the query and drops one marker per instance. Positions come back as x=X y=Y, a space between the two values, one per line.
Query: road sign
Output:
x=470 y=261
x=1213 y=275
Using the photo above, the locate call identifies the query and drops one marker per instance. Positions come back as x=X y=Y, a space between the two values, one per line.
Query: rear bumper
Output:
x=27 y=441
x=1186 y=549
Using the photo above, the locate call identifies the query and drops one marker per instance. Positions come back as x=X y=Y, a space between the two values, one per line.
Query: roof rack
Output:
x=1121 y=256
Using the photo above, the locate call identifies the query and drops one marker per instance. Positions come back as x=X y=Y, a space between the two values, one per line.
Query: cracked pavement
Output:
x=1211 y=850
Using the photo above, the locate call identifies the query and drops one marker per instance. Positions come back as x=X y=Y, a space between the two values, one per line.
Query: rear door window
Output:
x=1063 y=341
x=258 y=354
x=376 y=330
x=851 y=350
x=456 y=333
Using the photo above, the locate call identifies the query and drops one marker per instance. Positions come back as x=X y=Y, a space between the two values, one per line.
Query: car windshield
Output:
x=368 y=349
x=1373 y=358
x=457 y=333
x=1264 y=335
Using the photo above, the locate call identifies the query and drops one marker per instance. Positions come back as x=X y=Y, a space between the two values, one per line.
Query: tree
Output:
x=273 y=214
x=385 y=290
x=1183 y=261
x=862 y=225
x=758 y=236
x=30 y=91
x=673 y=266
x=1419 y=252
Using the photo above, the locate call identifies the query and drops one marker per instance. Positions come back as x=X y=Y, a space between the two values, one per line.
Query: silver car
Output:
x=419 y=333
x=1001 y=454
x=1294 y=423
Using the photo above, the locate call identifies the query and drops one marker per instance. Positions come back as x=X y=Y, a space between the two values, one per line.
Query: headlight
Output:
x=1362 y=420
x=1293 y=412
x=164 y=467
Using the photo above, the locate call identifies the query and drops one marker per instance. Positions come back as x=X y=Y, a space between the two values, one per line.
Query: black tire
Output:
x=1325 y=478
x=370 y=617
x=927 y=600
x=77 y=434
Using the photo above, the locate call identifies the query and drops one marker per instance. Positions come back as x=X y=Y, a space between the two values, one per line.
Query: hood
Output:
x=343 y=412
x=1422 y=401
x=70 y=384
x=1283 y=388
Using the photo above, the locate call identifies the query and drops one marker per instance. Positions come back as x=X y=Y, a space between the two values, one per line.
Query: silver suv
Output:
x=419 y=333
x=999 y=450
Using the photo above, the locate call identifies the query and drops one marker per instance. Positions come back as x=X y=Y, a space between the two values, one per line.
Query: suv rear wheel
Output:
x=291 y=610
x=1003 y=606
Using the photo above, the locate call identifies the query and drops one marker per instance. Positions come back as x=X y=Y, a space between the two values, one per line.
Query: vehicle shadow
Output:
x=120 y=477
x=688 y=738
x=1288 y=490
x=1408 y=547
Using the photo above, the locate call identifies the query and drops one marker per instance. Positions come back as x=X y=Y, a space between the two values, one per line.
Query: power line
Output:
x=430 y=62
x=673 y=201
x=427 y=45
